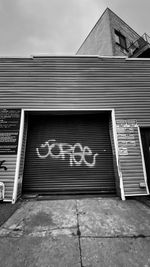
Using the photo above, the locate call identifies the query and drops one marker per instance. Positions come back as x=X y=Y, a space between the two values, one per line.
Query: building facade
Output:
x=111 y=36
x=74 y=125
x=79 y=124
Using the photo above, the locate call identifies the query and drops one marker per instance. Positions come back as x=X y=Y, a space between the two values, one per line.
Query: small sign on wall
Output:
x=123 y=151
x=130 y=158
x=126 y=133
x=9 y=131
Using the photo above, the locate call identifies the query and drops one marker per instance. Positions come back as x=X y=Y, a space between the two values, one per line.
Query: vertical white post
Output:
x=143 y=161
x=117 y=156
x=21 y=130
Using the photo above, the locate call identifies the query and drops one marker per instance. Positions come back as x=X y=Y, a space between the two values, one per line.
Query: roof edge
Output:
x=106 y=10
x=76 y=56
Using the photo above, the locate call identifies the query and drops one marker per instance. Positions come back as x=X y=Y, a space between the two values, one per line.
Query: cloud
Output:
x=58 y=26
x=42 y=25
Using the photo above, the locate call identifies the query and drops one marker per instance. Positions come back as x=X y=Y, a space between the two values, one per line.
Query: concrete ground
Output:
x=99 y=232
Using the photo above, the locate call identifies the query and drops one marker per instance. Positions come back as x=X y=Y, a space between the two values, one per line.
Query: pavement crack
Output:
x=117 y=236
x=79 y=233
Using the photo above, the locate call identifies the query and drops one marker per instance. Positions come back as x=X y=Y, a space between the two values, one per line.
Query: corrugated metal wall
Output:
x=7 y=177
x=130 y=160
x=78 y=83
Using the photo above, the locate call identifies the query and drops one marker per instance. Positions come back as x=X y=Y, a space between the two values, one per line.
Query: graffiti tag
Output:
x=77 y=153
x=2 y=165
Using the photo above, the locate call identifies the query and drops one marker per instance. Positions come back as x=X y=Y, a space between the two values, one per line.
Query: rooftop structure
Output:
x=111 y=36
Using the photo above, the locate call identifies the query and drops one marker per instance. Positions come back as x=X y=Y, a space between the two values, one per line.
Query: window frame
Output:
x=120 y=40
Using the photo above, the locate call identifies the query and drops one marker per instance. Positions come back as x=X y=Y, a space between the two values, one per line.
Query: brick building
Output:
x=111 y=36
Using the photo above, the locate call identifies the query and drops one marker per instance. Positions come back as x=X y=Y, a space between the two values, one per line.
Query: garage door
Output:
x=68 y=154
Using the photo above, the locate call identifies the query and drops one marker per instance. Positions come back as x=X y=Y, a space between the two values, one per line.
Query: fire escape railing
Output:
x=139 y=44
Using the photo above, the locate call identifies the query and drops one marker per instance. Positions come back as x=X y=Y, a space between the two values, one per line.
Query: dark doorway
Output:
x=145 y=134
x=69 y=154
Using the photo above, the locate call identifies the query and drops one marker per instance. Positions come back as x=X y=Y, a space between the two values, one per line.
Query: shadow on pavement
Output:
x=6 y=210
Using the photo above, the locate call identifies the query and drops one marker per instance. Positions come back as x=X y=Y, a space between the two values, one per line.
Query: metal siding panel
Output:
x=7 y=177
x=131 y=164
x=78 y=82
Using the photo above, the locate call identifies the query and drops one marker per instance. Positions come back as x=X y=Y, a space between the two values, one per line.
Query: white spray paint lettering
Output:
x=76 y=153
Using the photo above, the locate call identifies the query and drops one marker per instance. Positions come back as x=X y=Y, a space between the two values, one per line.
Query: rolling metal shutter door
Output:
x=66 y=173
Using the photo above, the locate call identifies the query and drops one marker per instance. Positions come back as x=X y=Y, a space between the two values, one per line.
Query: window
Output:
x=120 y=40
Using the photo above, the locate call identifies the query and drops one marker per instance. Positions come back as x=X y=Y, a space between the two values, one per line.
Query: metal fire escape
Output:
x=140 y=48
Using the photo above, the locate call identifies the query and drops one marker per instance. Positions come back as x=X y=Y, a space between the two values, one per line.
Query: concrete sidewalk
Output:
x=96 y=232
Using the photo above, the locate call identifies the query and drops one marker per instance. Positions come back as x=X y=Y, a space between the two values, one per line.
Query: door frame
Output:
x=147 y=175
x=22 y=123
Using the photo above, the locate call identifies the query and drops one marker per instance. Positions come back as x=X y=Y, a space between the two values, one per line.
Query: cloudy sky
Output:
x=33 y=27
